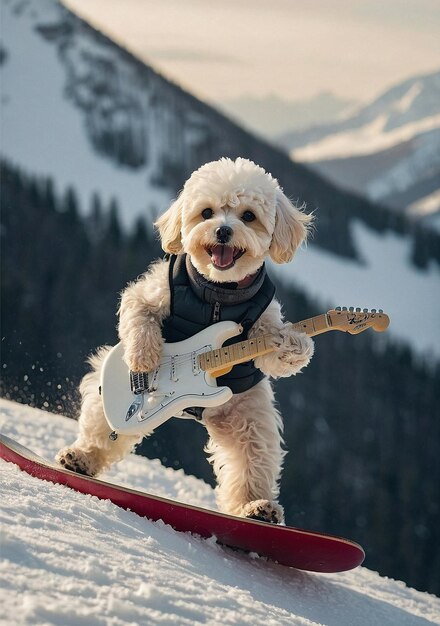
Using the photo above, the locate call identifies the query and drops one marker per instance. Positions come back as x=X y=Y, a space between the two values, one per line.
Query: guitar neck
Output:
x=223 y=359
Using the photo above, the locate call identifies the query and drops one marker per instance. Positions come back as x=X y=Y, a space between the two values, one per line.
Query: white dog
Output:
x=230 y=216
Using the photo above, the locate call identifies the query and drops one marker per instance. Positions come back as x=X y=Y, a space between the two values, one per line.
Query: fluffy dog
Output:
x=229 y=217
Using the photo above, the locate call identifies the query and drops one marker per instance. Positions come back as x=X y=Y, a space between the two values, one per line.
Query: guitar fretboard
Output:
x=225 y=357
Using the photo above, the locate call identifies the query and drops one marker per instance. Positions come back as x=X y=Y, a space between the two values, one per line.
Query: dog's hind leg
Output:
x=94 y=451
x=245 y=448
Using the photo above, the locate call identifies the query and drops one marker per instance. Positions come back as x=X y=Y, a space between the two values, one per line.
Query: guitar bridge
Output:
x=139 y=382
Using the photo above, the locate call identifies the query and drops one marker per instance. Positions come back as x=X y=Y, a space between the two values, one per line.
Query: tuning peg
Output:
x=351 y=309
x=344 y=308
x=364 y=310
x=338 y=308
x=380 y=310
x=373 y=310
x=358 y=310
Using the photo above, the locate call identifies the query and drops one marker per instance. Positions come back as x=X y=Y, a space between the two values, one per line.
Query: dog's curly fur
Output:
x=245 y=434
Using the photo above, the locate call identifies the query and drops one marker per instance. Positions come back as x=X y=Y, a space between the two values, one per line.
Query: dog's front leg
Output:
x=292 y=353
x=141 y=312
x=292 y=350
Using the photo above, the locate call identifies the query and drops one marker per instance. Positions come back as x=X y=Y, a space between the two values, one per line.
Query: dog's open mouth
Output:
x=223 y=257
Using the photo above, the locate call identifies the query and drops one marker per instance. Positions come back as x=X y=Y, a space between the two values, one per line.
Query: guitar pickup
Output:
x=173 y=370
x=195 y=363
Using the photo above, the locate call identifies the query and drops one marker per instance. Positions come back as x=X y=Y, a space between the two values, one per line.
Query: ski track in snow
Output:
x=69 y=559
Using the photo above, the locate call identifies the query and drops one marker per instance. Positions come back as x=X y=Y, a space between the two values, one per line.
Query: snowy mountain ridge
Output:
x=68 y=558
x=388 y=150
x=271 y=115
x=87 y=94
x=412 y=105
x=375 y=136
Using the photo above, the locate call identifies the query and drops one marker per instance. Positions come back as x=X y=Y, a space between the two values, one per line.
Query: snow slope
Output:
x=68 y=559
x=49 y=138
x=386 y=280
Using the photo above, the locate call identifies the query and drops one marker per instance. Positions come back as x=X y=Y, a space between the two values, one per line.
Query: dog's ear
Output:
x=291 y=229
x=169 y=225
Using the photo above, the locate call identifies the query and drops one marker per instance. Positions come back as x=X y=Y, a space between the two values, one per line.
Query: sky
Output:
x=293 y=49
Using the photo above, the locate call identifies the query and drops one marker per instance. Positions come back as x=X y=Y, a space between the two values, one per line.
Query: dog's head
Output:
x=229 y=217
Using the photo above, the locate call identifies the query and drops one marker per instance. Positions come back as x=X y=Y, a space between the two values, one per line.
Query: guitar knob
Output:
x=152 y=401
x=380 y=310
x=364 y=310
x=373 y=310
x=358 y=310
x=351 y=309
x=338 y=308
x=344 y=308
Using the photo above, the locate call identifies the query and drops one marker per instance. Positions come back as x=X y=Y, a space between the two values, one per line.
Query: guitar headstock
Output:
x=355 y=321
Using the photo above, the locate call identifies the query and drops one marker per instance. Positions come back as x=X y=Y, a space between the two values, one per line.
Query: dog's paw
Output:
x=264 y=511
x=77 y=461
x=293 y=349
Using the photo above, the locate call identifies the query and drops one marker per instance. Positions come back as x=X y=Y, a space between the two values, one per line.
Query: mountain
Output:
x=94 y=144
x=271 y=115
x=69 y=558
x=388 y=150
x=103 y=122
x=107 y=125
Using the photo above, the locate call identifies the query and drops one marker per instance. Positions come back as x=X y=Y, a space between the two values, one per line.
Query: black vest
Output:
x=190 y=313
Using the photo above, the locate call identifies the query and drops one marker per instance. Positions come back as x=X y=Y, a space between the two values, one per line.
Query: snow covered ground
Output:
x=68 y=559
x=386 y=280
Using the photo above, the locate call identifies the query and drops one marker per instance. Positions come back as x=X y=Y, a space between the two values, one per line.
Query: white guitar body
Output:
x=176 y=385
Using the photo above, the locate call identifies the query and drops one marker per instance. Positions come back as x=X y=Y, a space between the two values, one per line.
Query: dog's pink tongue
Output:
x=222 y=256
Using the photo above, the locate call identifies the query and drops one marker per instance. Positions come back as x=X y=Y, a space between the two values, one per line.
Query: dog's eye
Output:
x=207 y=213
x=248 y=216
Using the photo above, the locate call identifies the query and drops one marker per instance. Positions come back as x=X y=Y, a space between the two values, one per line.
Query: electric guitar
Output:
x=138 y=402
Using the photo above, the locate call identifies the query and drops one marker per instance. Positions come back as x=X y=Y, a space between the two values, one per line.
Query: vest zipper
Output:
x=216 y=312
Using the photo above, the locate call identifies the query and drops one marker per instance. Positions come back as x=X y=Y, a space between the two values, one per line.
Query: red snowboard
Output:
x=297 y=548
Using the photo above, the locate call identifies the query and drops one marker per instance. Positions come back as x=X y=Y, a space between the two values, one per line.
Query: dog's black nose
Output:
x=223 y=234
